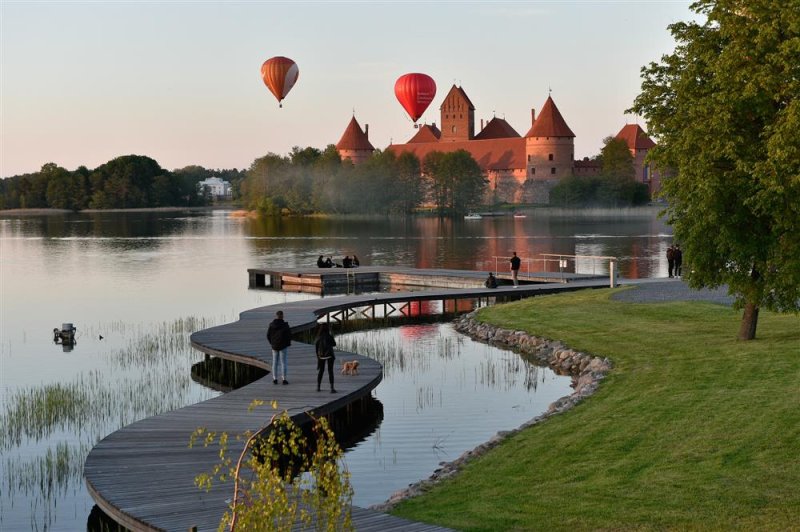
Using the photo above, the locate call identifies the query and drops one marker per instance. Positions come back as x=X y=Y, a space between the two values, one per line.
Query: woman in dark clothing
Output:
x=324 y=347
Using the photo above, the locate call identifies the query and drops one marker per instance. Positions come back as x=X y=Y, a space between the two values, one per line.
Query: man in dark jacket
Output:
x=279 y=336
x=515 y=264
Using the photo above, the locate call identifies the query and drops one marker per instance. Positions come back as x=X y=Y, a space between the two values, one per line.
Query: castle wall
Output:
x=505 y=186
x=537 y=191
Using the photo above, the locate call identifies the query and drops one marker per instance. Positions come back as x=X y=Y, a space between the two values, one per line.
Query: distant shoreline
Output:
x=26 y=212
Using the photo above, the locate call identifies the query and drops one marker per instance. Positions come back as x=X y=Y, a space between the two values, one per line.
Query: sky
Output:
x=179 y=81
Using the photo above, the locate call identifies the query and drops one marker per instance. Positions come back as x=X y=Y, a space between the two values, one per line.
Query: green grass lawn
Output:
x=692 y=429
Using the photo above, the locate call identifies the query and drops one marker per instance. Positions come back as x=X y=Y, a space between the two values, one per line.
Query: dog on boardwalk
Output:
x=350 y=367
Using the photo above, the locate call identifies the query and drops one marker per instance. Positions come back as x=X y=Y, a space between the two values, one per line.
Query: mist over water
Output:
x=145 y=280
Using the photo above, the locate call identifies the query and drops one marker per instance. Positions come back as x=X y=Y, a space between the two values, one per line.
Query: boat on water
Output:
x=520 y=215
x=472 y=216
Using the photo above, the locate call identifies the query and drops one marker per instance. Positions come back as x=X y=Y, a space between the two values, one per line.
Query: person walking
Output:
x=670 y=260
x=279 y=336
x=515 y=263
x=677 y=254
x=324 y=348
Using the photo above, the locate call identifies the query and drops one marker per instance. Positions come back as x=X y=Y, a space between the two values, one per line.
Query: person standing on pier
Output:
x=678 y=255
x=515 y=263
x=324 y=348
x=279 y=336
x=670 y=260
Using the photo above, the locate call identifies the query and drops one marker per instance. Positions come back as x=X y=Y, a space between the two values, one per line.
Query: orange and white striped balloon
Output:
x=279 y=75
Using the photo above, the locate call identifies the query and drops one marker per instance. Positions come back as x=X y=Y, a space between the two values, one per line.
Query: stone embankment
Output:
x=586 y=370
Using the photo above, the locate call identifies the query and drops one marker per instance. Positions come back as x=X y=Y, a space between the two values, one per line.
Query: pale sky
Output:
x=179 y=81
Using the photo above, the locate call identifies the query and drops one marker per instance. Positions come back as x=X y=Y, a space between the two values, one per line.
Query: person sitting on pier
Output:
x=347 y=262
x=328 y=263
x=491 y=281
x=321 y=262
x=356 y=264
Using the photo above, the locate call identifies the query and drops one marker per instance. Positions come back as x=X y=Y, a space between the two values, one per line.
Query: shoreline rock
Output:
x=586 y=370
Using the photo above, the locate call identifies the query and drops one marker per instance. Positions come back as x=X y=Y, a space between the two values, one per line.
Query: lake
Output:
x=136 y=284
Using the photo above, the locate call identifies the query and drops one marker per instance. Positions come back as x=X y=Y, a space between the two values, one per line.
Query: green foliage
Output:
x=290 y=480
x=599 y=191
x=691 y=430
x=310 y=180
x=614 y=187
x=616 y=159
x=724 y=107
x=456 y=181
x=131 y=181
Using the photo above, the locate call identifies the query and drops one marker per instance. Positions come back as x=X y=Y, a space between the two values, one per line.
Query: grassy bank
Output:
x=691 y=430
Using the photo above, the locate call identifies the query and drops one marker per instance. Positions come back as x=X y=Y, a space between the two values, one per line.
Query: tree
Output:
x=616 y=159
x=456 y=180
x=724 y=107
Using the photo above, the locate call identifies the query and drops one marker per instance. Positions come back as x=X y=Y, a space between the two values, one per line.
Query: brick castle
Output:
x=519 y=169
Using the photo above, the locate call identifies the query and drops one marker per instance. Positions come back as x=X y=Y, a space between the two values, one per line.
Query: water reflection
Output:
x=443 y=395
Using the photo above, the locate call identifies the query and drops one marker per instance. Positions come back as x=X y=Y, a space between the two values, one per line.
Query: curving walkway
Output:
x=143 y=474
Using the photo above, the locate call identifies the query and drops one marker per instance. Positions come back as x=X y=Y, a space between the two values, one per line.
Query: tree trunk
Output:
x=747 y=330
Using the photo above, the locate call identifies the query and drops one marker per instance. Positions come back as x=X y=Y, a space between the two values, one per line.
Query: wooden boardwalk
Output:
x=321 y=280
x=143 y=475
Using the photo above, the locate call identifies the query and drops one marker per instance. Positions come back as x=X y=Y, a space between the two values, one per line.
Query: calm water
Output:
x=144 y=281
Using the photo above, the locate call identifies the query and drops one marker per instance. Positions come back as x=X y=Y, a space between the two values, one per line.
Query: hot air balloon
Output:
x=279 y=75
x=415 y=92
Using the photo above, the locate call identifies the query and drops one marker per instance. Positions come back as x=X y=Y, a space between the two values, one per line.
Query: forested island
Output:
x=309 y=180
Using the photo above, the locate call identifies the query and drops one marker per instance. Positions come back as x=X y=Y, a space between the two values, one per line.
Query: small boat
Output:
x=472 y=216
x=520 y=215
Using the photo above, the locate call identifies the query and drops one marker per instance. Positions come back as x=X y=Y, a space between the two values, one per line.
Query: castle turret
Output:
x=549 y=145
x=458 y=116
x=355 y=144
x=639 y=144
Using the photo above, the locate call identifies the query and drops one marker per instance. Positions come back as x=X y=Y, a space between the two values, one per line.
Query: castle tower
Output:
x=549 y=145
x=639 y=144
x=458 y=116
x=355 y=144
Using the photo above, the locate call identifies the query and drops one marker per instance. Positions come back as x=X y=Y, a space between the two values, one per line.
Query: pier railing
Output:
x=586 y=263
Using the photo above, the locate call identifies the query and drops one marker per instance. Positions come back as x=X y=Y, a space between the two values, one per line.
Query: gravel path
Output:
x=661 y=290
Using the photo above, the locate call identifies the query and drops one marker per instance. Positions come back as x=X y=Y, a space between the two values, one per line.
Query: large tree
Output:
x=724 y=107
x=456 y=181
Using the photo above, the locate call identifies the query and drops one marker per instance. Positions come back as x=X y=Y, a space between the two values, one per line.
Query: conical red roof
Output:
x=635 y=137
x=426 y=133
x=550 y=123
x=497 y=128
x=354 y=138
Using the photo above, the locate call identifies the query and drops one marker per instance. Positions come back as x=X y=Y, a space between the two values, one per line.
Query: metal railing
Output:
x=563 y=261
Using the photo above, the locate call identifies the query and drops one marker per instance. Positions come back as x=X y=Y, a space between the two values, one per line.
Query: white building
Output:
x=219 y=188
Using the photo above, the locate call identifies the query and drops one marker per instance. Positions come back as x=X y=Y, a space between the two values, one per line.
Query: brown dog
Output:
x=350 y=367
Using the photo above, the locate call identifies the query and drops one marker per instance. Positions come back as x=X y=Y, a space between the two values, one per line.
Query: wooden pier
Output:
x=143 y=475
x=337 y=280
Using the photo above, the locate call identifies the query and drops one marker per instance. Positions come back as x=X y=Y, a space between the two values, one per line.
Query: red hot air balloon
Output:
x=415 y=92
x=279 y=75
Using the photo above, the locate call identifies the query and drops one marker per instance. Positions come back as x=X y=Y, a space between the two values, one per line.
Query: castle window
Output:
x=529 y=158
x=461 y=116
x=454 y=129
x=550 y=157
x=553 y=171
x=533 y=170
